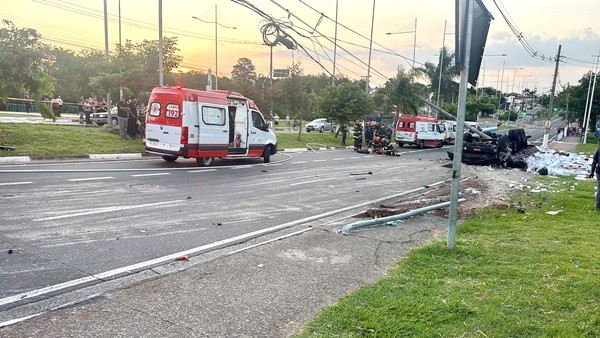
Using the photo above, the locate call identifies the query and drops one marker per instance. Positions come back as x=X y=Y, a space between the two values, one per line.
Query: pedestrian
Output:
x=344 y=131
x=27 y=102
x=80 y=110
x=287 y=121
x=54 y=103
x=60 y=104
x=122 y=116
x=132 y=122
x=87 y=110
x=596 y=170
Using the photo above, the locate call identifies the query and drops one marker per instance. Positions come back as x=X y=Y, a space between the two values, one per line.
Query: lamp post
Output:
x=216 y=23
x=483 y=74
x=414 y=40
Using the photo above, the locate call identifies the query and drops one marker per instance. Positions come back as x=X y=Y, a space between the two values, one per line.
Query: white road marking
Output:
x=201 y=170
x=299 y=162
x=107 y=209
x=319 y=160
x=313 y=181
x=156 y=174
x=90 y=179
x=245 y=166
x=15 y=183
x=339 y=159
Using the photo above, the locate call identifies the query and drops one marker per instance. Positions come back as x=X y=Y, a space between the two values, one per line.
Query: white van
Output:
x=190 y=123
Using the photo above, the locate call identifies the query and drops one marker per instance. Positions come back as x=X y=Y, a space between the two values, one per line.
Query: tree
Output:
x=244 y=72
x=23 y=59
x=447 y=87
x=402 y=92
x=345 y=103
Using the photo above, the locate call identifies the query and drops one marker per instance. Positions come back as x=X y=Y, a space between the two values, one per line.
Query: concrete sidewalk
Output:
x=266 y=290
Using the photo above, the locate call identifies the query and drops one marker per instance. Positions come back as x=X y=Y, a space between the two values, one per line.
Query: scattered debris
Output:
x=10 y=251
x=367 y=173
x=260 y=265
x=183 y=258
x=553 y=213
x=189 y=197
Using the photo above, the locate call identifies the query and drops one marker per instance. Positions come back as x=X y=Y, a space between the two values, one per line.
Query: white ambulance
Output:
x=190 y=123
x=420 y=131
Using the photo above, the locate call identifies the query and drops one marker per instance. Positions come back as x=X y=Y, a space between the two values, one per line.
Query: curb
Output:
x=15 y=159
x=127 y=156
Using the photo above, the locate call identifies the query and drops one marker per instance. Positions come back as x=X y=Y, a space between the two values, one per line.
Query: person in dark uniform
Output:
x=344 y=131
x=357 y=136
x=132 y=122
x=596 y=171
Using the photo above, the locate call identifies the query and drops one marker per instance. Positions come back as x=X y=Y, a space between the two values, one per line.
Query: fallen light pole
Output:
x=360 y=224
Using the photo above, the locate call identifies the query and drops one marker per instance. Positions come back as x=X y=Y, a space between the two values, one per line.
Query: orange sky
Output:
x=544 y=24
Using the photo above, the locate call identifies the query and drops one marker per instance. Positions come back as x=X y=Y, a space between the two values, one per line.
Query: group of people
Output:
x=89 y=106
x=127 y=117
x=377 y=136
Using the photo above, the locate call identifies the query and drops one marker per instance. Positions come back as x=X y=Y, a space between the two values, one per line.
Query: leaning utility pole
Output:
x=548 y=124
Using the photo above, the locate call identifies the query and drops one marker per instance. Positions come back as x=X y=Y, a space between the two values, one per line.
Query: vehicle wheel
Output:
x=321 y=130
x=114 y=123
x=421 y=144
x=440 y=144
x=400 y=144
x=169 y=158
x=308 y=131
x=204 y=161
x=267 y=154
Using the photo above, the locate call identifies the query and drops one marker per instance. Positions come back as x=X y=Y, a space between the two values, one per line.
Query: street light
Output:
x=414 y=42
x=216 y=44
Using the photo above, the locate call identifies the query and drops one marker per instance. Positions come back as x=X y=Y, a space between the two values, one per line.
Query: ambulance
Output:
x=204 y=125
x=420 y=131
x=449 y=135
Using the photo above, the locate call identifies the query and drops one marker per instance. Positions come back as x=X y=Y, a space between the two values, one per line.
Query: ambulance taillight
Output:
x=184 y=135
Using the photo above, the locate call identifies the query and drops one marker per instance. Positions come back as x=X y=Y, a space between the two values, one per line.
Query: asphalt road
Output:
x=68 y=221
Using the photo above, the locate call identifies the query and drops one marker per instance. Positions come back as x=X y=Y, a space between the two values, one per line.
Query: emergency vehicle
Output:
x=190 y=123
x=449 y=134
x=420 y=131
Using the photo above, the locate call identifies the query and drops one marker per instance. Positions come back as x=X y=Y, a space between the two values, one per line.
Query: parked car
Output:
x=101 y=117
x=320 y=125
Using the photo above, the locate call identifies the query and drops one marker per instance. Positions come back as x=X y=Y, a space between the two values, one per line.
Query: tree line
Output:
x=28 y=64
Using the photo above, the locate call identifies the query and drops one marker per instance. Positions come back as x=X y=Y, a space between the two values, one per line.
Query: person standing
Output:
x=132 y=122
x=287 y=121
x=27 y=102
x=60 y=104
x=344 y=131
x=122 y=117
x=87 y=111
x=596 y=170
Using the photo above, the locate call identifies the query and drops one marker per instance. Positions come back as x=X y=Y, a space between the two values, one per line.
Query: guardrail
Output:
x=18 y=105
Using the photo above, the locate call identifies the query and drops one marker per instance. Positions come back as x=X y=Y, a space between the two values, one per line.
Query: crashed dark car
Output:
x=508 y=150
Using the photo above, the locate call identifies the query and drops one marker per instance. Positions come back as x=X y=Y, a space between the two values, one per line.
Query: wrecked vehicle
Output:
x=508 y=150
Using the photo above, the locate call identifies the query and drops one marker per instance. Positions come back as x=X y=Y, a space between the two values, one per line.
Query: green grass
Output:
x=512 y=274
x=65 y=140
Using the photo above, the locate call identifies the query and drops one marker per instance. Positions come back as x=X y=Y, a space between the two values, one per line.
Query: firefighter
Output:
x=357 y=136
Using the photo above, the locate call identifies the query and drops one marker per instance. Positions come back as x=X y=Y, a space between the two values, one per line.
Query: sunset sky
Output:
x=544 y=24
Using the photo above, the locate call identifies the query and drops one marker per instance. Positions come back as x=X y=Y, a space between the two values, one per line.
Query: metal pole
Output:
x=514 y=77
x=587 y=102
x=161 y=77
x=370 y=49
x=441 y=64
x=216 y=54
x=271 y=82
x=120 y=46
x=587 y=123
x=460 y=118
x=335 y=43
x=109 y=124
x=501 y=84
x=415 y=45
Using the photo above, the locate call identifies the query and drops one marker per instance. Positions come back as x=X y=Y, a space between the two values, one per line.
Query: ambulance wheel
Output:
x=169 y=158
x=267 y=154
x=422 y=144
x=204 y=161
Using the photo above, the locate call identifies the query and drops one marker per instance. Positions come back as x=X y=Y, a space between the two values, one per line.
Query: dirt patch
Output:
x=481 y=186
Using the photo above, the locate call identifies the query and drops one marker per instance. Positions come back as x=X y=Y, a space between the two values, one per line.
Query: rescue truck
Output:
x=200 y=124
x=420 y=131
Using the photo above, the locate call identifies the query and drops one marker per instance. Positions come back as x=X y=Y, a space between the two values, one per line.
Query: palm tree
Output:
x=403 y=93
x=447 y=87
